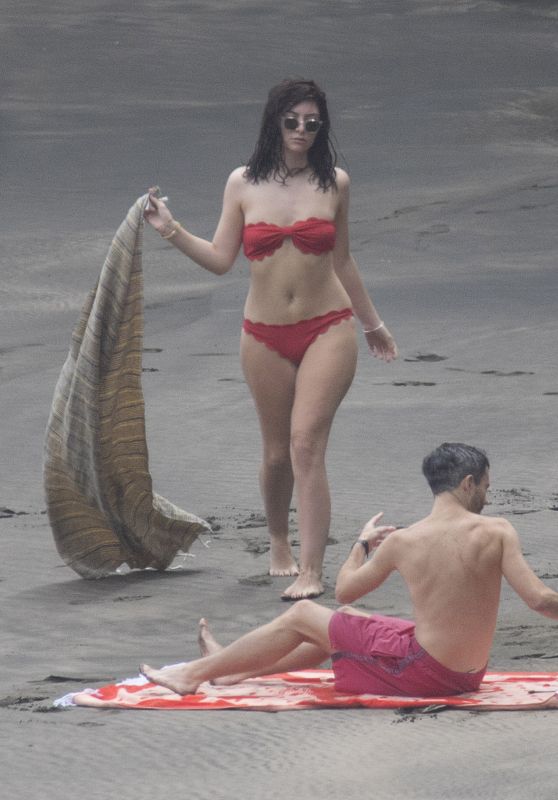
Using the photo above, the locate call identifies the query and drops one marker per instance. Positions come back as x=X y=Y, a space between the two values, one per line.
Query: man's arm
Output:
x=522 y=579
x=358 y=576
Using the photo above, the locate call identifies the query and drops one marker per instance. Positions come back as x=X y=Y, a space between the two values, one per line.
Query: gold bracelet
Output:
x=176 y=226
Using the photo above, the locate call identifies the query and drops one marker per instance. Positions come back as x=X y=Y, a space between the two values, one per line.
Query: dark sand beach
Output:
x=446 y=116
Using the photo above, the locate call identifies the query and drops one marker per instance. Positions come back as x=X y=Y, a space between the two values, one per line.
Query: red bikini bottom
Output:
x=292 y=341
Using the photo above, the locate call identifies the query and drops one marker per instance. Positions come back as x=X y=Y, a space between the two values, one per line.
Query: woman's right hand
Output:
x=157 y=214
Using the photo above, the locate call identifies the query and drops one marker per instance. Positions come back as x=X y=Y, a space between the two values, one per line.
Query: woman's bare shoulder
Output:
x=236 y=186
x=342 y=178
x=238 y=177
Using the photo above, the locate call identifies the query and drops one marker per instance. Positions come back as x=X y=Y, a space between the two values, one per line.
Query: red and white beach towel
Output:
x=315 y=689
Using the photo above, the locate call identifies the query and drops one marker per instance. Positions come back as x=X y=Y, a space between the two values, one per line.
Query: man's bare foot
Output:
x=177 y=678
x=209 y=645
x=282 y=560
x=307 y=585
x=207 y=642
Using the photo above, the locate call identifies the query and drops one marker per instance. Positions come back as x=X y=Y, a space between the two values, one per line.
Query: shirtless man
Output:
x=452 y=562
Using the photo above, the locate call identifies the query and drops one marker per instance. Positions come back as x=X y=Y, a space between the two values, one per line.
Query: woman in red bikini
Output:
x=288 y=208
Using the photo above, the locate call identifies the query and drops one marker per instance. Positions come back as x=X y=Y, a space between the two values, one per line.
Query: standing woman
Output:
x=288 y=207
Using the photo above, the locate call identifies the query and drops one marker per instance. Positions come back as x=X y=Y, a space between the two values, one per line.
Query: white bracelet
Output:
x=373 y=330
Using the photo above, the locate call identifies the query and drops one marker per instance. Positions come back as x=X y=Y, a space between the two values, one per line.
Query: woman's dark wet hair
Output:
x=267 y=159
x=445 y=467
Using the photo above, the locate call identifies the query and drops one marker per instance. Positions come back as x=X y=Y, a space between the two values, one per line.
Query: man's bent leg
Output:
x=306 y=656
x=256 y=652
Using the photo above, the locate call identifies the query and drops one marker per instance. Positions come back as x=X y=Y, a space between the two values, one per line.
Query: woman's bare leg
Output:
x=306 y=656
x=323 y=378
x=271 y=380
x=255 y=652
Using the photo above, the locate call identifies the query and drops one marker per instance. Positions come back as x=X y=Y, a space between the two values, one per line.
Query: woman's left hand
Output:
x=382 y=344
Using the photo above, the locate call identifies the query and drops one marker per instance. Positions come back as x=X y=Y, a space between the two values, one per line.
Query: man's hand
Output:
x=358 y=576
x=374 y=534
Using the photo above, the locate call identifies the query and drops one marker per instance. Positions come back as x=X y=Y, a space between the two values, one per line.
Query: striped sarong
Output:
x=100 y=501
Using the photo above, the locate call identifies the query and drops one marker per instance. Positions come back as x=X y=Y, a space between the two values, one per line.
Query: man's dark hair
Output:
x=446 y=466
x=267 y=159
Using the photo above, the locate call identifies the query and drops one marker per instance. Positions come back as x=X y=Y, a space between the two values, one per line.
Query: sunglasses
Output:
x=310 y=125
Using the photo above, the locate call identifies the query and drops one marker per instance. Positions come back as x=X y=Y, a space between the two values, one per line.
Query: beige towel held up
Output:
x=100 y=501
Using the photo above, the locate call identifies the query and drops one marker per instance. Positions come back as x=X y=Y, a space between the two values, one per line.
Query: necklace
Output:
x=291 y=173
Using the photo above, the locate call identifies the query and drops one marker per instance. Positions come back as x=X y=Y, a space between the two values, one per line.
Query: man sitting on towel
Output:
x=452 y=562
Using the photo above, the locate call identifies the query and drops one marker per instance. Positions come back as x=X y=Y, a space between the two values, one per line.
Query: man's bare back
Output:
x=451 y=564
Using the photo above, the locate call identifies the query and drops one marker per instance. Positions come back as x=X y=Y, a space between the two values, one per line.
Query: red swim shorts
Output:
x=380 y=655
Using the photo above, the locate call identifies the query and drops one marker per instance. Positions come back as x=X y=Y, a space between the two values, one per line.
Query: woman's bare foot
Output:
x=207 y=642
x=282 y=560
x=177 y=678
x=307 y=585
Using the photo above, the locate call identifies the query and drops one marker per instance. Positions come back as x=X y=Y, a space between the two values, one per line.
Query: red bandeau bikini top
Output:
x=313 y=235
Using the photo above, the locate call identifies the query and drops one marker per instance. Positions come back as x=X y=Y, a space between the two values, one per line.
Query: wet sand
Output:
x=446 y=118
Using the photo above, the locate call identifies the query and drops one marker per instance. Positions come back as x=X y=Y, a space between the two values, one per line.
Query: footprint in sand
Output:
x=9 y=512
x=422 y=237
x=430 y=357
x=413 y=383
x=151 y=350
x=253 y=521
x=542 y=186
x=411 y=209
x=498 y=373
x=91 y=724
x=255 y=546
x=14 y=702
x=399 y=212
x=532 y=655
x=256 y=580
x=72 y=679
x=128 y=598
x=434 y=230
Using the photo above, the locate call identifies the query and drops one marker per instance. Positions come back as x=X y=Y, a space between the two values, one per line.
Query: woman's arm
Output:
x=380 y=340
x=219 y=255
